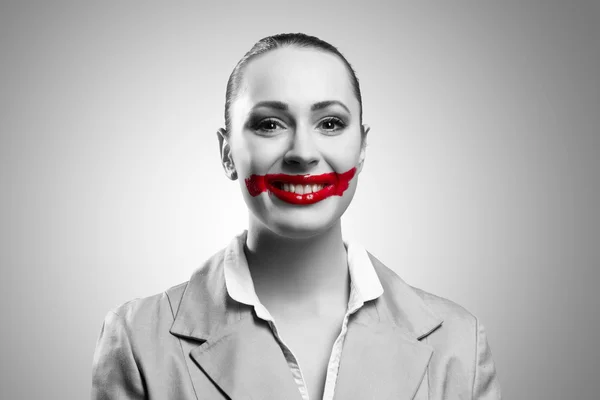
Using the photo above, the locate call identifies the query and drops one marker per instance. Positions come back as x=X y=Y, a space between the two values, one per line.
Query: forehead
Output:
x=297 y=76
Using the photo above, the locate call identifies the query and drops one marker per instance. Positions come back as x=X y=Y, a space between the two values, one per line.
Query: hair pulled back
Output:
x=270 y=43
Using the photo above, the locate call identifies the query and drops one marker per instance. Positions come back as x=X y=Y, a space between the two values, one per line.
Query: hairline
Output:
x=242 y=85
x=236 y=80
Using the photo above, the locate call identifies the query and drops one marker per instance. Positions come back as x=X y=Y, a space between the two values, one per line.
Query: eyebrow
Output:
x=324 y=104
x=279 y=105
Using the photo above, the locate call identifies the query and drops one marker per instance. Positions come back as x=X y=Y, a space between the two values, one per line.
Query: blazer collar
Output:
x=364 y=282
x=225 y=343
x=205 y=305
x=205 y=308
x=238 y=352
x=403 y=306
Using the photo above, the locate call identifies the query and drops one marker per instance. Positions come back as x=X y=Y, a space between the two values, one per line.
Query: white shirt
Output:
x=364 y=286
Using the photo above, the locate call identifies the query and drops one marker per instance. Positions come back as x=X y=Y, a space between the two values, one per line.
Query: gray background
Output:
x=481 y=182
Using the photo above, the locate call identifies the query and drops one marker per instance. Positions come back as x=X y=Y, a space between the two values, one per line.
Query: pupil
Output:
x=269 y=125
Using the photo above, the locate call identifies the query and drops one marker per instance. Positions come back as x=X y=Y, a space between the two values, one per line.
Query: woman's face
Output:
x=295 y=140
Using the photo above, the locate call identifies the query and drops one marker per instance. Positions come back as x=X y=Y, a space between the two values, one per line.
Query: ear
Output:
x=363 y=146
x=226 y=158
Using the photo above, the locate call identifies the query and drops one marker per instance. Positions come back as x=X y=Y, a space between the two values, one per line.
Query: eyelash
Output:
x=259 y=125
x=335 y=120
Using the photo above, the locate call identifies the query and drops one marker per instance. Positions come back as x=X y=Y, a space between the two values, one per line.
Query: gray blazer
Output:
x=193 y=342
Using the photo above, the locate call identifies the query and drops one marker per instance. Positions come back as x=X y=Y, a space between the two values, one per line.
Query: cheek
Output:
x=253 y=156
x=342 y=155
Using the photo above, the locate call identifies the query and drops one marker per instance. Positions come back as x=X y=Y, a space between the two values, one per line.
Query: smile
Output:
x=300 y=189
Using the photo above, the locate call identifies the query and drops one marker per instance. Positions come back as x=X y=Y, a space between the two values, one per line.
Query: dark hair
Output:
x=269 y=43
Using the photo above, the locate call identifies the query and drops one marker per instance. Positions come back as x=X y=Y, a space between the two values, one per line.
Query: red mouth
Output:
x=301 y=189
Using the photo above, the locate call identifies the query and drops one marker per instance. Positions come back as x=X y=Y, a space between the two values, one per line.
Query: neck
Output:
x=309 y=271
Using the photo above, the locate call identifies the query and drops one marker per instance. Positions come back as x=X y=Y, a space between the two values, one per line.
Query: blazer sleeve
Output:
x=115 y=373
x=485 y=384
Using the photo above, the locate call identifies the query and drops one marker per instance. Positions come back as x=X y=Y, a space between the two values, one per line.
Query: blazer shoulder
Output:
x=162 y=308
x=144 y=310
x=447 y=309
x=457 y=320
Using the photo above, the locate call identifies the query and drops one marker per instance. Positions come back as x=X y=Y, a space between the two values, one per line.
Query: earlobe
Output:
x=226 y=157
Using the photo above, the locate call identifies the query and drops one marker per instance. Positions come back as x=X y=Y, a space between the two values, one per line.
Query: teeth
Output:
x=302 y=189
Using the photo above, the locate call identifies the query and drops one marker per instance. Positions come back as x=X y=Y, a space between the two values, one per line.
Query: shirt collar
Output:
x=364 y=282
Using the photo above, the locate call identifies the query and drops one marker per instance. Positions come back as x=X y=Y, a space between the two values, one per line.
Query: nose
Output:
x=302 y=151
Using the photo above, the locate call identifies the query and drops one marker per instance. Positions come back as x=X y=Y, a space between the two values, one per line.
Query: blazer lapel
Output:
x=383 y=356
x=380 y=362
x=232 y=352
x=246 y=362
x=225 y=344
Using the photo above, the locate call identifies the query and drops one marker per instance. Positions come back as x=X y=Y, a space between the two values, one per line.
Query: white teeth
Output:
x=301 y=189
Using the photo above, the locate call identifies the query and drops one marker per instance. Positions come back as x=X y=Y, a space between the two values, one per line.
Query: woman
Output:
x=289 y=310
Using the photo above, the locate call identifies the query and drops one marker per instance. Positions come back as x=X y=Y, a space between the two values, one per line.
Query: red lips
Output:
x=334 y=184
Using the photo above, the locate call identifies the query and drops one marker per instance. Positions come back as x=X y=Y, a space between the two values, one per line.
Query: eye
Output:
x=331 y=125
x=268 y=126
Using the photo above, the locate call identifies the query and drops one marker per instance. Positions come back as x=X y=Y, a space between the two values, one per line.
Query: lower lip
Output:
x=337 y=185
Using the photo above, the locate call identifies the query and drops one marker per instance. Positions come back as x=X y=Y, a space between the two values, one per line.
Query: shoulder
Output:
x=449 y=311
x=457 y=337
x=142 y=314
x=455 y=322
x=166 y=301
x=461 y=364
x=161 y=308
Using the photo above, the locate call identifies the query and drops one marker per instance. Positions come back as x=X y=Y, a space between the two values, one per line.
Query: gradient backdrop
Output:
x=481 y=184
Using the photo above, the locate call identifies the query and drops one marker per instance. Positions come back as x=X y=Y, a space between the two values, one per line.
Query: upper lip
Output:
x=324 y=179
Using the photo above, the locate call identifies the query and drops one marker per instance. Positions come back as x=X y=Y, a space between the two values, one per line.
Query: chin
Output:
x=300 y=230
x=301 y=222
